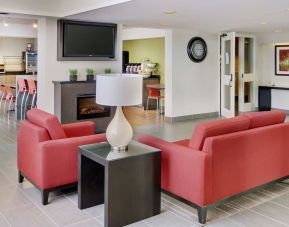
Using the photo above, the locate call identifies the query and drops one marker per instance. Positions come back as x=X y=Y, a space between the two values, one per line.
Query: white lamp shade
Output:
x=119 y=89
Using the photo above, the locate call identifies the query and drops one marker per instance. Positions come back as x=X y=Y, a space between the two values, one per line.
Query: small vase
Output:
x=73 y=77
x=89 y=77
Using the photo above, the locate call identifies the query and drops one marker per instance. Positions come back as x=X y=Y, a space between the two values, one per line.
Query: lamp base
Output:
x=120 y=149
x=119 y=132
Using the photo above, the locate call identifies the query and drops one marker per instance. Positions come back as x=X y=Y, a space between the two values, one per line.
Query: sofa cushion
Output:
x=47 y=121
x=216 y=128
x=265 y=118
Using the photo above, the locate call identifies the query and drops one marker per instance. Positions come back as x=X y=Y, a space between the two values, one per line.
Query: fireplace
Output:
x=88 y=109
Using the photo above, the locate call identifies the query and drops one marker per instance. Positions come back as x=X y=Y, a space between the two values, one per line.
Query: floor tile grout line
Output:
x=78 y=222
x=5 y=219
x=273 y=219
x=185 y=217
x=180 y=207
x=279 y=204
x=38 y=207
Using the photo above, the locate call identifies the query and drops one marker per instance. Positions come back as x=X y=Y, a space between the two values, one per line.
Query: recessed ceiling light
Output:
x=5 y=24
x=169 y=12
x=35 y=25
x=276 y=31
x=263 y=23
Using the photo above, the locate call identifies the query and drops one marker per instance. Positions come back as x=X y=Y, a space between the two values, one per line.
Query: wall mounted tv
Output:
x=86 y=41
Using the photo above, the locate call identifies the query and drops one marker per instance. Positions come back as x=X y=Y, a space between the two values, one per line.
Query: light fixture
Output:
x=5 y=24
x=35 y=25
x=119 y=90
x=277 y=31
x=263 y=23
x=169 y=12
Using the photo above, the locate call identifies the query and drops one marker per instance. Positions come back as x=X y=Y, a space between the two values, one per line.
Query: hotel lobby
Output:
x=143 y=113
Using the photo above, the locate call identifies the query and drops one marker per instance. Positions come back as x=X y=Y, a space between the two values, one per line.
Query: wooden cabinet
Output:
x=146 y=81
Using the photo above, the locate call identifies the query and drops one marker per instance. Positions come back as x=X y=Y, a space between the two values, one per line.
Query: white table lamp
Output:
x=119 y=90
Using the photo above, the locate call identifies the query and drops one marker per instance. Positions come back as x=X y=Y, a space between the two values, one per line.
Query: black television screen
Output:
x=85 y=40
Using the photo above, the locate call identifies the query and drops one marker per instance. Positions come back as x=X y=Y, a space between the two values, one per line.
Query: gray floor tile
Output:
x=138 y=224
x=34 y=194
x=251 y=219
x=222 y=223
x=282 y=200
x=4 y=181
x=273 y=211
x=87 y=223
x=3 y=221
x=11 y=197
x=168 y=219
x=28 y=215
x=11 y=173
x=64 y=212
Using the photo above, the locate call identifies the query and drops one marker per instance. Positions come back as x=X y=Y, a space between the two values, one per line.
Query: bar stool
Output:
x=23 y=91
x=9 y=97
x=32 y=91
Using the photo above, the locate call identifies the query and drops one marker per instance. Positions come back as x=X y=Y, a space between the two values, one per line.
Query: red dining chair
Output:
x=155 y=94
x=9 y=97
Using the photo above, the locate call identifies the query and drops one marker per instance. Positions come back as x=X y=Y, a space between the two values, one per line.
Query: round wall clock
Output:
x=197 y=49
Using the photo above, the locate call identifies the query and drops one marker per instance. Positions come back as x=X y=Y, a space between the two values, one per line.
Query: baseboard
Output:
x=191 y=117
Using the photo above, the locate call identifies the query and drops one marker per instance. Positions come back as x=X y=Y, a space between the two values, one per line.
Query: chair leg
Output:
x=33 y=101
x=202 y=214
x=44 y=196
x=20 y=177
x=147 y=104
x=9 y=107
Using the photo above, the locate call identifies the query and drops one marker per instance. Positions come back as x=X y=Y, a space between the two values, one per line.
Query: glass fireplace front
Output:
x=88 y=109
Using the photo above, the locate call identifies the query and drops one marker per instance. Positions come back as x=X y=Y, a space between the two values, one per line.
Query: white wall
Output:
x=142 y=33
x=18 y=30
x=266 y=67
x=49 y=69
x=193 y=87
x=266 y=55
x=11 y=46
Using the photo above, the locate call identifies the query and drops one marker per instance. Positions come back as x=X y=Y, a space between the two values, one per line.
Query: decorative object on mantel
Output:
x=282 y=60
x=119 y=90
x=197 y=49
x=107 y=70
x=73 y=74
x=89 y=74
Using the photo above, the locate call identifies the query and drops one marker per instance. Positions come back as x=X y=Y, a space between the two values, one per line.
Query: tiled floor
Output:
x=20 y=203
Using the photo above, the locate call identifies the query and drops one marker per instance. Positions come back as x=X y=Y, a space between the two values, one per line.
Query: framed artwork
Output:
x=282 y=60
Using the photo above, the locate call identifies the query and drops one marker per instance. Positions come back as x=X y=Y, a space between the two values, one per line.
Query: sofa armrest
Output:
x=185 y=172
x=83 y=128
x=59 y=159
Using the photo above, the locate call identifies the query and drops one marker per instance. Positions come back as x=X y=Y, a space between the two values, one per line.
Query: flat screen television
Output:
x=82 y=41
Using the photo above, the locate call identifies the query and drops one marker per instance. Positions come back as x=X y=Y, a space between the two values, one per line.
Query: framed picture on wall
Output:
x=282 y=60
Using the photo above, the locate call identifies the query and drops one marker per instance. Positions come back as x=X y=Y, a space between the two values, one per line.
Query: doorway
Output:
x=237 y=73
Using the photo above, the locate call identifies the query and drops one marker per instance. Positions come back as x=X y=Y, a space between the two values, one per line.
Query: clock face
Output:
x=197 y=49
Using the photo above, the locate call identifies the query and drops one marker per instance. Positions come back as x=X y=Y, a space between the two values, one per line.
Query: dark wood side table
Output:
x=127 y=183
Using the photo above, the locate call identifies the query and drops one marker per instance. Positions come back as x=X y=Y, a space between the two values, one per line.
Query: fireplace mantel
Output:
x=65 y=101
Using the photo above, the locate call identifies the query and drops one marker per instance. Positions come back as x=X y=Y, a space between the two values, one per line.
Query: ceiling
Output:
x=203 y=15
x=54 y=8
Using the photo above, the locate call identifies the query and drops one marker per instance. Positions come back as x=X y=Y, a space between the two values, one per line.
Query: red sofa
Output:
x=47 y=152
x=224 y=158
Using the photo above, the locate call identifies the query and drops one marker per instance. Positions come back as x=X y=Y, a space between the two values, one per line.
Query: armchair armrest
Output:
x=185 y=172
x=83 y=128
x=59 y=159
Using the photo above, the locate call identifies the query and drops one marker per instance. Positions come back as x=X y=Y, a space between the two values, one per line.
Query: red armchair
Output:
x=224 y=158
x=47 y=151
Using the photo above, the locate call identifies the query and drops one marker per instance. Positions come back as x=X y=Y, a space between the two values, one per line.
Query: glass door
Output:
x=247 y=73
x=228 y=75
